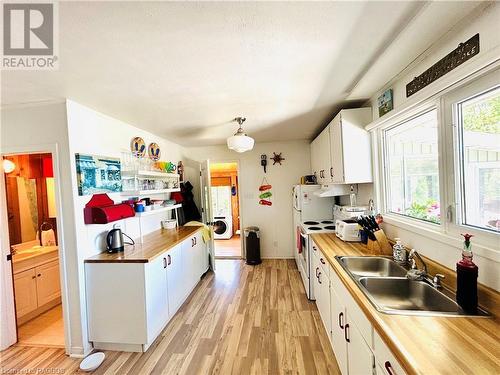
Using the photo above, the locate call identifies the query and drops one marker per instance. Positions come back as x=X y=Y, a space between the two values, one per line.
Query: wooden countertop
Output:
x=153 y=245
x=430 y=344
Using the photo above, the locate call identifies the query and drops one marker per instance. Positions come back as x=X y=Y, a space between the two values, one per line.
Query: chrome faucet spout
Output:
x=413 y=253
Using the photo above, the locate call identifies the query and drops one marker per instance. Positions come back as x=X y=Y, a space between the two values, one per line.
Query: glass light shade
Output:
x=8 y=166
x=240 y=142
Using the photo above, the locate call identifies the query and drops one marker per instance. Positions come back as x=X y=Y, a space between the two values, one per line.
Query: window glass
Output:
x=479 y=158
x=412 y=172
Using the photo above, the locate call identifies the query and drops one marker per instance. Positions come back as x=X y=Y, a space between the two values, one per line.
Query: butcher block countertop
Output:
x=153 y=245
x=430 y=344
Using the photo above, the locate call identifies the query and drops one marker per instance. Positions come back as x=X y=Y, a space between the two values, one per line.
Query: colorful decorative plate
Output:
x=154 y=151
x=138 y=147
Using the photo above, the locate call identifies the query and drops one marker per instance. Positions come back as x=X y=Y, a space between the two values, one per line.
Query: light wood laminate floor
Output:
x=242 y=320
x=46 y=329
x=228 y=248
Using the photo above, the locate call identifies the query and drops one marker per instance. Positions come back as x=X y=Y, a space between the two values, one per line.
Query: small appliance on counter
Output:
x=347 y=230
x=115 y=242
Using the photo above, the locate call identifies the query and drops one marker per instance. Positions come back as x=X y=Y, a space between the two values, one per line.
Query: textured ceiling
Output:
x=183 y=70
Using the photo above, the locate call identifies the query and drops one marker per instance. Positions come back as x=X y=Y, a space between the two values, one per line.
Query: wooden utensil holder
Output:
x=381 y=245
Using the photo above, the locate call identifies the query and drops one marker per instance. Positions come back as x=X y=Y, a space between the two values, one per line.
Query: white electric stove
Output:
x=305 y=256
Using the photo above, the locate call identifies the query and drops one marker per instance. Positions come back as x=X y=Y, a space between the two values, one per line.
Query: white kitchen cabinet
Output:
x=157 y=311
x=384 y=357
x=324 y=156
x=176 y=278
x=25 y=290
x=360 y=359
x=341 y=153
x=351 y=147
x=338 y=341
x=48 y=284
x=315 y=159
x=129 y=303
x=358 y=349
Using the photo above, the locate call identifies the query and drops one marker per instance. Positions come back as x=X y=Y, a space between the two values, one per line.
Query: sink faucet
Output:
x=415 y=274
x=411 y=258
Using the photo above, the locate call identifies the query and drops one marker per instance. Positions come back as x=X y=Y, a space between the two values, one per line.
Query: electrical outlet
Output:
x=275 y=243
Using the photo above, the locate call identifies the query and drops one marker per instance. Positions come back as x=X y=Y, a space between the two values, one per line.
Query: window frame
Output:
x=449 y=230
x=455 y=203
x=385 y=165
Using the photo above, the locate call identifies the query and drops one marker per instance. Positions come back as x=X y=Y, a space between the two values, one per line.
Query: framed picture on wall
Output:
x=385 y=103
x=98 y=174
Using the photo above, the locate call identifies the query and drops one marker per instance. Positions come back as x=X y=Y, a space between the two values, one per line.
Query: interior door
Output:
x=206 y=208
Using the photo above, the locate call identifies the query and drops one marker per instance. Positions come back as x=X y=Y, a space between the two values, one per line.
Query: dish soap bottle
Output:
x=467 y=273
x=399 y=252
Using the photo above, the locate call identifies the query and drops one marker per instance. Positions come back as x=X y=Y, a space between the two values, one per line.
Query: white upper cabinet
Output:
x=341 y=153
x=351 y=146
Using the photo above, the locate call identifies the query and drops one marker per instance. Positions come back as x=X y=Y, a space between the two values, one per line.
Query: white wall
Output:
x=45 y=124
x=275 y=222
x=486 y=24
x=94 y=133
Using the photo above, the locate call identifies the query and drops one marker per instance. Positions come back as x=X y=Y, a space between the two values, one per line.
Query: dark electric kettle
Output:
x=114 y=241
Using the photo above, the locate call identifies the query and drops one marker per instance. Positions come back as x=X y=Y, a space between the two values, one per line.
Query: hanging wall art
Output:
x=265 y=193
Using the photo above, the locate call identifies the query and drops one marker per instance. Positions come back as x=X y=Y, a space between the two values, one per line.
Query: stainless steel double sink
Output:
x=384 y=283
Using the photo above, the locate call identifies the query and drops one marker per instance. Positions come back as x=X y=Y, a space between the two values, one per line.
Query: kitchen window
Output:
x=412 y=168
x=477 y=149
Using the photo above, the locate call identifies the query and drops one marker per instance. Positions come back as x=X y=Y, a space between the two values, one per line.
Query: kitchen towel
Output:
x=205 y=232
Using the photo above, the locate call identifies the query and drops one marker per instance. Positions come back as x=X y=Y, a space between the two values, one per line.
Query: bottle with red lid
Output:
x=467 y=273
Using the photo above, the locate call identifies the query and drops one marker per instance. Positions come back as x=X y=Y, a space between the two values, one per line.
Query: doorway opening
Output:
x=226 y=209
x=30 y=192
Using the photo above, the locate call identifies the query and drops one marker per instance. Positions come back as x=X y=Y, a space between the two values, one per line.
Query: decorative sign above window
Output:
x=458 y=56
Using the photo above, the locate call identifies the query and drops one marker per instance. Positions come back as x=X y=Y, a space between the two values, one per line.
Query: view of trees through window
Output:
x=412 y=163
x=480 y=160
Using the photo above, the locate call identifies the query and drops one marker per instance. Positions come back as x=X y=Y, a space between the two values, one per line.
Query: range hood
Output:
x=334 y=190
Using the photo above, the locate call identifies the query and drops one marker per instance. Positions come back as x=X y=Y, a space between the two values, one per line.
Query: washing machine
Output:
x=223 y=228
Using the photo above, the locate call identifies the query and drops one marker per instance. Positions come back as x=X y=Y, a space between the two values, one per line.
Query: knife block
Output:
x=381 y=245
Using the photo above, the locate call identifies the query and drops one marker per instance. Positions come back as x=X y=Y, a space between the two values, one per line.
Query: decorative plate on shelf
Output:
x=138 y=147
x=154 y=151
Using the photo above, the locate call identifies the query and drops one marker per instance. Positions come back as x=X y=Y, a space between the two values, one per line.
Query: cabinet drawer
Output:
x=386 y=360
x=325 y=266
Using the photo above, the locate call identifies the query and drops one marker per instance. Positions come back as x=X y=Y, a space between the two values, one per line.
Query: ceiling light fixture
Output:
x=240 y=142
x=8 y=166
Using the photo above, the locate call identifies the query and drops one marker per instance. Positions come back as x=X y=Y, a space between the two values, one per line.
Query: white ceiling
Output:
x=183 y=70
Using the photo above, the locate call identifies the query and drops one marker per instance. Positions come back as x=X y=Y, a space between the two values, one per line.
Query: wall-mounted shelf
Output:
x=149 y=174
x=158 y=210
x=149 y=192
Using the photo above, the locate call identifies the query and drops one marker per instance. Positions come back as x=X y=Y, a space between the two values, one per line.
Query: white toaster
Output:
x=347 y=230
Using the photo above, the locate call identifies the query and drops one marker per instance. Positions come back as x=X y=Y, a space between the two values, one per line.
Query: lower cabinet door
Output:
x=157 y=314
x=339 y=321
x=25 y=289
x=48 y=282
x=360 y=358
x=176 y=276
x=324 y=297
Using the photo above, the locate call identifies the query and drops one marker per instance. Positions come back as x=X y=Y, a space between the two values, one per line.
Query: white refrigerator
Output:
x=307 y=206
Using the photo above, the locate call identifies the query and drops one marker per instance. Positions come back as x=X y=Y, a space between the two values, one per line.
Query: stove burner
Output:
x=311 y=223
x=332 y=227
x=314 y=228
x=327 y=222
